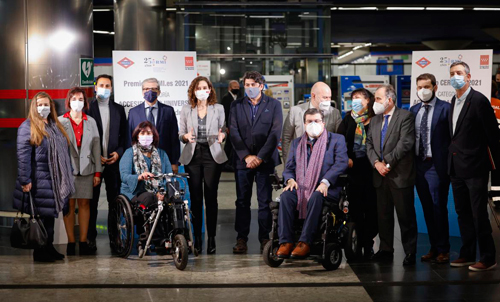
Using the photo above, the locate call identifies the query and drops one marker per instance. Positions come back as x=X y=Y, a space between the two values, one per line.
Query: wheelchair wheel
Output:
x=351 y=241
x=333 y=257
x=180 y=252
x=123 y=227
x=269 y=255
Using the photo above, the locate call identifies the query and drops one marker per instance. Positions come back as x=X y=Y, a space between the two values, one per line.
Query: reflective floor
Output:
x=228 y=277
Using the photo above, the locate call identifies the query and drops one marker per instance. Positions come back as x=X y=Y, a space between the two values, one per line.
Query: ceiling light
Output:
x=268 y=17
x=102 y=9
x=171 y=9
x=345 y=55
x=357 y=47
x=368 y=44
x=359 y=8
x=333 y=8
x=444 y=8
x=405 y=8
x=228 y=48
x=222 y=71
x=487 y=8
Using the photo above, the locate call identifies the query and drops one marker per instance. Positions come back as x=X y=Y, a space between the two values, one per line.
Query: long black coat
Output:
x=33 y=167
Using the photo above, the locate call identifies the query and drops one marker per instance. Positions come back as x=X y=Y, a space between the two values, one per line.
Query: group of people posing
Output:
x=385 y=150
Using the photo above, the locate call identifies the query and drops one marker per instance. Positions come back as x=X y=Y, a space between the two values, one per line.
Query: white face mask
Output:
x=202 y=95
x=44 y=111
x=380 y=108
x=425 y=95
x=103 y=93
x=325 y=105
x=145 y=140
x=314 y=129
x=76 y=105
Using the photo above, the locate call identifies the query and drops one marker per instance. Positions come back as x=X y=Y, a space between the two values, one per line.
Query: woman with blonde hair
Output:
x=44 y=169
x=201 y=129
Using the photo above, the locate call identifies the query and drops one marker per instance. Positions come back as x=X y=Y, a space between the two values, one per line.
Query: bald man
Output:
x=321 y=96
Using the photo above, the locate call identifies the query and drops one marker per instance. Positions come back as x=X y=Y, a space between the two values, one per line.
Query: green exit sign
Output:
x=86 y=72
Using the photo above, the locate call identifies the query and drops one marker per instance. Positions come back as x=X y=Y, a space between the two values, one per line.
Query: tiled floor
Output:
x=228 y=277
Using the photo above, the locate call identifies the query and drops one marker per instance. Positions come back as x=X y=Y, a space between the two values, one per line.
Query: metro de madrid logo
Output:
x=189 y=63
x=125 y=62
x=423 y=62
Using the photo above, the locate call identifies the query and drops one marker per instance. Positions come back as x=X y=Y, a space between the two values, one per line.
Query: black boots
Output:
x=211 y=245
x=52 y=250
x=85 y=249
x=70 y=249
x=43 y=255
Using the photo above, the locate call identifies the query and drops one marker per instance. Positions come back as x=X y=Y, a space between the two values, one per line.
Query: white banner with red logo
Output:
x=174 y=70
x=438 y=63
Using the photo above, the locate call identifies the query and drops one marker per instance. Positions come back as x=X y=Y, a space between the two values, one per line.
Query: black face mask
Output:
x=235 y=91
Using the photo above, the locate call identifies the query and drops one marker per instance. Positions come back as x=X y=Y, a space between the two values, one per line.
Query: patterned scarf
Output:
x=141 y=166
x=360 y=133
x=61 y=173
x=307 y=174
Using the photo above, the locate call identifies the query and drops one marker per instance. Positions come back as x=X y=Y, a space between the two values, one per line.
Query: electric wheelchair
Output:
x=166 y=224
x=334 y=233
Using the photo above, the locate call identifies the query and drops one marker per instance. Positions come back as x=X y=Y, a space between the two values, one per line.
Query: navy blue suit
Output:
x=334 y=164
x=432 y=181
x=166 y=124
x=259 y=137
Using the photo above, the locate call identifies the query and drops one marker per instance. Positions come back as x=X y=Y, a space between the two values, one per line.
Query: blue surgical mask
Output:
x=252 y=92
x=103 y=93
x=150 y=96
x=457 y=81
x=357 y=105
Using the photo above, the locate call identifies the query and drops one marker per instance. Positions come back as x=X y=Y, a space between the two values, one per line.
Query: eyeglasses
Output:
x=316 y=121
x=148 y=89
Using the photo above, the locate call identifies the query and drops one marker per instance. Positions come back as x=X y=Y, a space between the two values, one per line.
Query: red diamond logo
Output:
x=423 y=62
x=125 y=63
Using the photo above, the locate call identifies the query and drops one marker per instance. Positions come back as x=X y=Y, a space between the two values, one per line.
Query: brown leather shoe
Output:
x=301 y=250
x=240 y=247
x=481 y=266
x=462 y=262
x=431 y=255
x=285 y=250
x=442 y=258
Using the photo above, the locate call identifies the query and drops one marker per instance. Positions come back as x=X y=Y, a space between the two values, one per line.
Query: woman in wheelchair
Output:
x=315 y=162
x=138 y=166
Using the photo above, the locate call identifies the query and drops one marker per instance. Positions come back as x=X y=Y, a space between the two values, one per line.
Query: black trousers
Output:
x=204 y=176
x=403 y=200
x=363 y=202
x=111 y=176
x=471 y=202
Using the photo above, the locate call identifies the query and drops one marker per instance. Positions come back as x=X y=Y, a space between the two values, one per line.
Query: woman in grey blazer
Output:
x=85 y=151
x=201 y=129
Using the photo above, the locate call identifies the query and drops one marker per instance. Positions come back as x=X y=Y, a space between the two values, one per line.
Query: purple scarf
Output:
x=308 y=174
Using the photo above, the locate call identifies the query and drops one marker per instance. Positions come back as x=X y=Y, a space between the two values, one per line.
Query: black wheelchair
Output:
x=334 y=234
x=167 y=224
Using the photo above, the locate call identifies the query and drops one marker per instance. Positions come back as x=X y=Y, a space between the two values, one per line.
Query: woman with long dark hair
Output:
x=201 y=129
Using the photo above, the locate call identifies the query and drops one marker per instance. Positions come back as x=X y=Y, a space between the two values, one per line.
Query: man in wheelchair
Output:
x=314 y=163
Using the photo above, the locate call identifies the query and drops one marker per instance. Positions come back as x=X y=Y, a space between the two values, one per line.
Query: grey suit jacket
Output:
x=87 y=161
x=398 y=148
x=215 y=121
x=294 y=125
